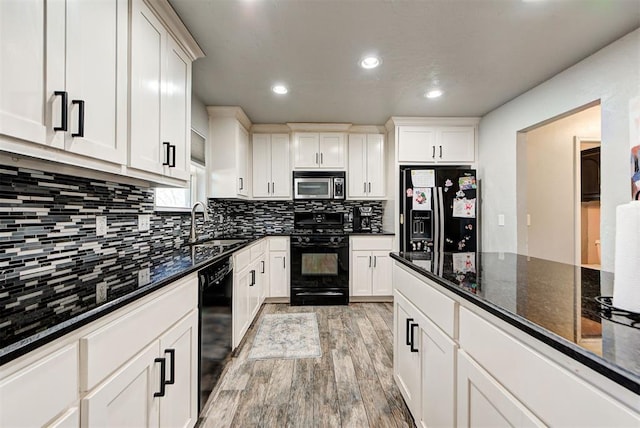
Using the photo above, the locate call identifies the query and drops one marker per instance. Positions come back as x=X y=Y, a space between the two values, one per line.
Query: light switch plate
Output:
x=500 y=219
x=144 y=222
x=101 y=225
x=101 y=293
x=144 y=276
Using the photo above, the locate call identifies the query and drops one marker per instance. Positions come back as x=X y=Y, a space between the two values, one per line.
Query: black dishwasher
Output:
x=215 y=327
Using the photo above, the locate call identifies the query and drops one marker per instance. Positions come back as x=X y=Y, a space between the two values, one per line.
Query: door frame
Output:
x=577 y=193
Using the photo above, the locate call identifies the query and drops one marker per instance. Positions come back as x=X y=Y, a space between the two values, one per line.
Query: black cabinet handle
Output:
x=433 y=153
x=369 y=187
x=253 y=278
x=241 y=183
x=273 y=187
x=172 y=163
x=80 y=132
x=63 y=110
x=365 y=187
x=163 y=377
x=411 y=345
x=284 y=263
x=316 y=158
x=167 y=150
x=407 y=331
x=321 y=158
x=262 y=266
x=172 y=366
x=440 y=152
x=375 y=261
x=369 y=261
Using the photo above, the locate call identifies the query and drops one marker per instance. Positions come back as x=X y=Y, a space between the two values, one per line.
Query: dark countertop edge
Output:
x=44 y=337
x=615 y=373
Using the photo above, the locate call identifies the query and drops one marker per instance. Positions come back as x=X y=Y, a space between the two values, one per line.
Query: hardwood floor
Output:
x=351 y=385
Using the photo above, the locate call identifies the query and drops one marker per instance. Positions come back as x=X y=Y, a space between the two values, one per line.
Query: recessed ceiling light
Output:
x=435 y=93
x=279 y=89
x=370 y=62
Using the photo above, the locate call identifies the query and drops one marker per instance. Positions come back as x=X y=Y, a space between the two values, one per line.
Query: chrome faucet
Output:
x=193 y=236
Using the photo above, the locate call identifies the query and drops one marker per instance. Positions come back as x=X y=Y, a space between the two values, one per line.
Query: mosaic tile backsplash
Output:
x=51 y=258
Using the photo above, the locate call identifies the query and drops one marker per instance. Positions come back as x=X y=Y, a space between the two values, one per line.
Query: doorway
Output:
x=587 y=169
x=550 y=202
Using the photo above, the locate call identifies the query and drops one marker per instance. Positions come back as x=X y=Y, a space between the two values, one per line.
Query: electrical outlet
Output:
x=144 y=222
x=101 y=293
x=101 y=225
x=144 y=276
x=500 y=219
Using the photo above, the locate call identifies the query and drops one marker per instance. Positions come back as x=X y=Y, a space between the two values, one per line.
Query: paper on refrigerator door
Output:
x=465 y=208
x=421 y=199
x=423 y=177
x=464 y=262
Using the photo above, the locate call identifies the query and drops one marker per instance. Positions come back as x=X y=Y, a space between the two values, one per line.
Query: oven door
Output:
x=313 y=188
x=319 y=273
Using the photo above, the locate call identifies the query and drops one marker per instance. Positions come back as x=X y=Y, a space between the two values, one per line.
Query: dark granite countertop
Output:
x=66 y=299
x=553 y=302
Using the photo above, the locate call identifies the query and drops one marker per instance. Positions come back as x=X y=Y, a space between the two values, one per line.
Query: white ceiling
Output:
x=482 y=53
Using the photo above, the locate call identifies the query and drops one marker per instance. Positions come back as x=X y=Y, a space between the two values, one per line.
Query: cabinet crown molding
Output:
x=319 y=127
x=230 y=111
x=367 y=129
x=176 y=27
x=270 y=128
x=430 y=121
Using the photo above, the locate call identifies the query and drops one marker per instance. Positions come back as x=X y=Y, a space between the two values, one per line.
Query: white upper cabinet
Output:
x=319 y=150
x=23 y=88
x=436 y=144
x=271 y=170
x=64 y=75
x=160 y=97
x=228 y=154
x=366 y=166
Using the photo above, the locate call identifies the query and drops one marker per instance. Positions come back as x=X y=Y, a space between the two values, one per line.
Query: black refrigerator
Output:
x=438 y=209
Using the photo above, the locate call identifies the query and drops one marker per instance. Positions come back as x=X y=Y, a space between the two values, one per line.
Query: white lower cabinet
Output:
x=371 y=266
x=43 y=390
x=424 y=366
x=250 y=282
x=279 y=269
x=483 y=402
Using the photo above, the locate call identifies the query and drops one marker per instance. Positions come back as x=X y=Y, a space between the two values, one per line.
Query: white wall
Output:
x=550 y=195
x=199 y=116
x=611 y=75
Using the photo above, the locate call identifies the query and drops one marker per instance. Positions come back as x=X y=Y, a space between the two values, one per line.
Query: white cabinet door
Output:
x=148 y=38
x=240 y=303
x=361 y=265
x=127 y=397
x=438 y=354
x=243 y=161
x=456 y=144
x=483 y=402
x=261 y=149
x=406 y=355
x=278 y=274
x=381 y=278
x=306 y=150
x=416 y=144
x=179 y=406
x=96 y=78
x=22 y=73
x=357 y=166
x=176 y=107
x=280 y=168
x=254 y=292
x=331 y=149
x=375 y=166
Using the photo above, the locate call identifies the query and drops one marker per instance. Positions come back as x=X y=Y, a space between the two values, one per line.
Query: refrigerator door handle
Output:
x=436 y=220
x=441 y=225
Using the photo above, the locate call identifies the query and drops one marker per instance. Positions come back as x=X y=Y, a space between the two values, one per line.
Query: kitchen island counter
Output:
x=551 y=302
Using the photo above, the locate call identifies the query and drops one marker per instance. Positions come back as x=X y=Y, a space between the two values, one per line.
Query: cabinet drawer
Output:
x=40 y=391
x=278 y=244
x=439 y=308
x=241 y=259
x=371 y=243
x=533 y=375
x=257 y=250
x=107 y=348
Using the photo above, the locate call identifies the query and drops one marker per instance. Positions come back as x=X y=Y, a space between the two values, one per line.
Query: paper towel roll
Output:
x=626 y=284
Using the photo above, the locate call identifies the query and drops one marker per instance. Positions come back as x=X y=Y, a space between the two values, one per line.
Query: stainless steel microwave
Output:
x=318 y=184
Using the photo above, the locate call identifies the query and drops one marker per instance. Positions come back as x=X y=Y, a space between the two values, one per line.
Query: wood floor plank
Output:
x=300 y=409
x=326 y=410
x=352 y=411
x=223 y=410
x=249 y=411
x=279 y=387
